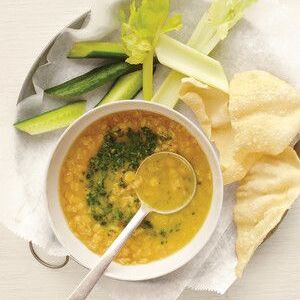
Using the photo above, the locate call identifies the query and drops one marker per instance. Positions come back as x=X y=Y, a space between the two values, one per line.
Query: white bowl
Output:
x=77 y=249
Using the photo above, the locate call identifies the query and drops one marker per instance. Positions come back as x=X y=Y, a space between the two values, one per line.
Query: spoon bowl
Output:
x=167 y=182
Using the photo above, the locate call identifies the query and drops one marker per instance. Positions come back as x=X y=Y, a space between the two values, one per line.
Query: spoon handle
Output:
x=88 y=283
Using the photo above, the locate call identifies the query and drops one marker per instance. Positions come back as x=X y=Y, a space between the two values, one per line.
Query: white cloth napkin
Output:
x=267 y=39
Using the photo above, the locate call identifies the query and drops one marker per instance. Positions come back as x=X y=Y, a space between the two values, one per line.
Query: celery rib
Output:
x=148 y=76
x=190 y=62
x=212 y=28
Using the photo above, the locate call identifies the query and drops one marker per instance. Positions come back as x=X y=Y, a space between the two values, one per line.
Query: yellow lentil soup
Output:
x=98 y=185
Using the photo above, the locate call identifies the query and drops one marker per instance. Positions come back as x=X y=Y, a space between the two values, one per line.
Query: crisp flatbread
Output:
x=260 y=116
x=265 y=113
x=210 y=107
x=214 y=100
x=264 y=195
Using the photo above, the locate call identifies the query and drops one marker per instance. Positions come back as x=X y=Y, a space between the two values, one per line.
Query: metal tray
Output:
x=28 y=90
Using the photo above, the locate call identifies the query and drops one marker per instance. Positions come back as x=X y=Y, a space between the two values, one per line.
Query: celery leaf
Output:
x=141 y=30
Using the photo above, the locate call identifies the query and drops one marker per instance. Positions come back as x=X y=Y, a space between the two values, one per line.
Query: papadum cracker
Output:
x=196 y=104
x=211 y=109
x=260 y=116
x=265 y=118
x=265 y=113
x=265 y=194
x=252 y=129
x=214 y=100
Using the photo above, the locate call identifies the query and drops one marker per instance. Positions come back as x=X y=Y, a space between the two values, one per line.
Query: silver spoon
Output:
x=88 y=283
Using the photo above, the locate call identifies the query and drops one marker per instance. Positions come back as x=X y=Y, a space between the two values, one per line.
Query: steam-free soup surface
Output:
x=166 y=181
x=98 y=185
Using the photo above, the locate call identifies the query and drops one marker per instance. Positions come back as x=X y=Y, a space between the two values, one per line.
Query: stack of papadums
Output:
x=254 y=128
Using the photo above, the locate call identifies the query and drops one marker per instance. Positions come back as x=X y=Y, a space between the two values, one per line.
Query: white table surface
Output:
x=25 y=28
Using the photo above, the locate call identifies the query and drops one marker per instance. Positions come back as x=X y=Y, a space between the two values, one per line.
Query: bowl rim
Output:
x=77 y=249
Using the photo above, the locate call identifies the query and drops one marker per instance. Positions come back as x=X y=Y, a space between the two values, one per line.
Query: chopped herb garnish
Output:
x=120 y=150
x=146 y=224
x=163 y=233
x=122 y=183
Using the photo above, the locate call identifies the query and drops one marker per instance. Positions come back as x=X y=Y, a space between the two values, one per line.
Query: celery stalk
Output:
x=140 y=29
x=191 y=62
x=212 y=28
x=148 y=76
